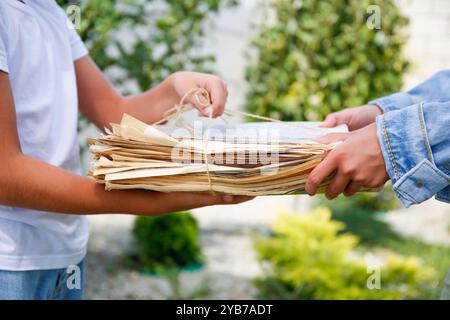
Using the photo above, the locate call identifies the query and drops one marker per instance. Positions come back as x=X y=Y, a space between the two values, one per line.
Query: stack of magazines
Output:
x=257 y=158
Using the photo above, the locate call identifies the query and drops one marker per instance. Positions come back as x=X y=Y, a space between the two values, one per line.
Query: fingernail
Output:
x=208 y=111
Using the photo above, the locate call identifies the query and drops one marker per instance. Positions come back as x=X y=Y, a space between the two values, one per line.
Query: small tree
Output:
x=319 y=56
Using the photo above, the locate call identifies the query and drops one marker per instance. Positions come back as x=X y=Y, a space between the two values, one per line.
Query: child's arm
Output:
x=103 y=105
x=31 y=183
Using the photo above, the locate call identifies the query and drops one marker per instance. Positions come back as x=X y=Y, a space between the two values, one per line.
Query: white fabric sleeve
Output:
x=3 y=55
x=77 y=46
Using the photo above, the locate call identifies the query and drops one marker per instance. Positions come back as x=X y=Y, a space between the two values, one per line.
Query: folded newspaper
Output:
x=257 y=158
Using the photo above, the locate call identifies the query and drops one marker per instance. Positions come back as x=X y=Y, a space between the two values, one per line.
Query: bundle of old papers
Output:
x=259 y=158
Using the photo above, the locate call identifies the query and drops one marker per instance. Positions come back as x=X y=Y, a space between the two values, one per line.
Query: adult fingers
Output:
x=337 y=185
x=323 y=170
x=352 y=188
x=335 y=118
x=330 y=121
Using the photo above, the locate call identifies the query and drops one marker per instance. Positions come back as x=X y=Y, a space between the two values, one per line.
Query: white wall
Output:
x=428 y=47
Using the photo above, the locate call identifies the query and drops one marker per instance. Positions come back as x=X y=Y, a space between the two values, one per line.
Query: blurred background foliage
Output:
x=167 y=241
x=308 y=258
x=162 y=36
x=313 y=57
x=362 y=214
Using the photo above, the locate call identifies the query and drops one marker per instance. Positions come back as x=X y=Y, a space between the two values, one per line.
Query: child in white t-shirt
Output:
x=46 y=77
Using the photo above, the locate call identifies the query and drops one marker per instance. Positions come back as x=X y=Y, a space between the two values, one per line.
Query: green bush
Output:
x=319 y=56
x=167 y=241
x=307 y=258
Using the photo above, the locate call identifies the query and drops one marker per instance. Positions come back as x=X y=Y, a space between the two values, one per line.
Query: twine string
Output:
x=205 y=153
x=175 y=113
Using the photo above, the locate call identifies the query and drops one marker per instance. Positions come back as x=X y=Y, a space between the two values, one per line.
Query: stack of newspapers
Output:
x=257 y=158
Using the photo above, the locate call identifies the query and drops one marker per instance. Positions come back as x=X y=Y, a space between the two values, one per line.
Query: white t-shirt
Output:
x=37 y=49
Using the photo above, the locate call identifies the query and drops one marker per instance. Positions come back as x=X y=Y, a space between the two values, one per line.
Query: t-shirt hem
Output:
x=79 y=51
x=21 y=263
x=3 y=64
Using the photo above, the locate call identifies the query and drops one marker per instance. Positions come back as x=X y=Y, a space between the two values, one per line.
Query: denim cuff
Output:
x=409 y=161
x=393 y=102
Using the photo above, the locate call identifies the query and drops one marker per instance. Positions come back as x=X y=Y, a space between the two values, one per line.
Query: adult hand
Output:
x=357 y=163
x=184 y=81
x=354 y=118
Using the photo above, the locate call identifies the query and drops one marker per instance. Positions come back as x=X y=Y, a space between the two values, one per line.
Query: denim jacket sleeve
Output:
x=415 y=142
x=435 y=89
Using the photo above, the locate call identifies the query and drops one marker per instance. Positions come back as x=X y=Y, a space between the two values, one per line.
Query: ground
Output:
x=227 y=234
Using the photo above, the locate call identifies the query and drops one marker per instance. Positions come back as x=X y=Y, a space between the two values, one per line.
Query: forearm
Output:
x=30 y=183
x=151 y=105
x=102 y=104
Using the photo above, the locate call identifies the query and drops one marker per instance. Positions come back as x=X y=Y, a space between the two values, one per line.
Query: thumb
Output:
x=332 y=137
x=201 y=102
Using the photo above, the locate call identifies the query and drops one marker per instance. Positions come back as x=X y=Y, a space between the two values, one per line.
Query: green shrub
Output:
x=307 y=258
x=318 y=56
x=436 y=256
x=167 y=241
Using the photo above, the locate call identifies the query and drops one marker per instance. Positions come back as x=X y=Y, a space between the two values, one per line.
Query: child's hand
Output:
x=191 y=200
x=183 y=82
x=354 y=118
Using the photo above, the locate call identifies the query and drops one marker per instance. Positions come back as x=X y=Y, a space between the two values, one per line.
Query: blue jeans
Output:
x=56 y=284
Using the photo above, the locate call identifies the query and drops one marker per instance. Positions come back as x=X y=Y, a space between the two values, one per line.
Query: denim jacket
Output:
x=414 y=135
